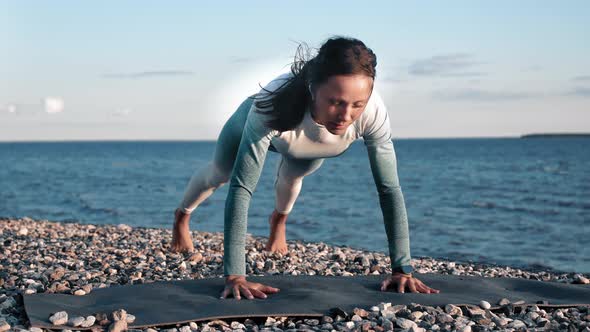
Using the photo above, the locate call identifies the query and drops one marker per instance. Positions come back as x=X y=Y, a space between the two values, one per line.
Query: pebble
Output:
x=23 y=231
x=453 y=310
x=80 y=292
x=59 y=318
x=484 y=304
x=580 y=279
x=118 y=326
x=387 y=325
x=405 y=323
x=88 y=321
x=76 y=321
x=120 y=314
x=68 y=258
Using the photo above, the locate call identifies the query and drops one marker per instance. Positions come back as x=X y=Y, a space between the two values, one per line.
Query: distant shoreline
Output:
x=555 y=135
x=538 y=135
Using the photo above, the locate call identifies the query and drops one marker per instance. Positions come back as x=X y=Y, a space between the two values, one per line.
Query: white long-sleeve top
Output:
x=312 y=140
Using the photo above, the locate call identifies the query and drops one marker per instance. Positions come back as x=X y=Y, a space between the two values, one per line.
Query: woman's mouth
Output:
x=338 y=126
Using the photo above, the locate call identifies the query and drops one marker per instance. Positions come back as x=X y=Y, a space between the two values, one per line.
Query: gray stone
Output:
x=59 y=318
x=404 y=323
x=484 y=304
x=76 y=321
x=88 y=321
x=118 y=326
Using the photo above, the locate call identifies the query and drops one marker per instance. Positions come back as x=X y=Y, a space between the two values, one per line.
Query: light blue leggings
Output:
x=204 y=181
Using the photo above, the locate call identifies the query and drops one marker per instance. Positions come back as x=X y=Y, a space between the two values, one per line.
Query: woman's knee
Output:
x=291 y=181
x=219 y=175
x=224 y=177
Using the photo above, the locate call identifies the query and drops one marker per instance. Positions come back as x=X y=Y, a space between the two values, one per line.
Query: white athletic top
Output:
x=310 y=140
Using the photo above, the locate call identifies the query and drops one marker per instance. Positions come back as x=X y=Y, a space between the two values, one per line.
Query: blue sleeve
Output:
x=245 y=174
x=382 y=158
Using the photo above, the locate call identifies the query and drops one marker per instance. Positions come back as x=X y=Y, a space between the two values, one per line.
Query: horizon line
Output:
x=214 y=140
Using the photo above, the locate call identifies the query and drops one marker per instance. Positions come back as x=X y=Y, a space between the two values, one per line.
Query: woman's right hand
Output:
x=234 y=284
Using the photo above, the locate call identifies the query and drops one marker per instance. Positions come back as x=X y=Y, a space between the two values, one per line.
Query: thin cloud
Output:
x=532 y=68
x=581 y=78
x=481 y=95
x=53 y=105
x=46 y=105
x=449 y=65
x=20 y=108
x=87 y=124
x=122 y=112
x=147 y=74
x=8 y=108
x=579 y=92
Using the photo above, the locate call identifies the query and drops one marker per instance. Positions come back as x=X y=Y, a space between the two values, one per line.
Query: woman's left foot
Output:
x=277 y=240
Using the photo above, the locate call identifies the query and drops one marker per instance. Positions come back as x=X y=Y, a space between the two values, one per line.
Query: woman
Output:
x=313 y=112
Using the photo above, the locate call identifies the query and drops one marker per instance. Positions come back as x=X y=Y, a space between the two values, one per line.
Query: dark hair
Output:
x=337 y=56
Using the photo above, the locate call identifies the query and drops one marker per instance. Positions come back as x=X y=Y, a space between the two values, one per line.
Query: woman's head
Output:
x=336 y=84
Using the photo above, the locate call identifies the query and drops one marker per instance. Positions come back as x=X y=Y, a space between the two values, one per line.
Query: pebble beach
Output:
x=41 y=256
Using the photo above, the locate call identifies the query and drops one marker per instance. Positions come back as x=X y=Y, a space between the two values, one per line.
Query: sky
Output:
x=177 y=70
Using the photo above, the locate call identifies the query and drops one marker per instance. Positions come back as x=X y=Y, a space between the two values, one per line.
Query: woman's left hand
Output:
x=402 y=280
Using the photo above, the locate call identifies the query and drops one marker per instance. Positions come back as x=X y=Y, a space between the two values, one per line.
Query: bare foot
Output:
x=277 y=241
x=181 y=236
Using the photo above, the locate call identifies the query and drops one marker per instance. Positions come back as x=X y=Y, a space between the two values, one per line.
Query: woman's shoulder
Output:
x=374 y=114
x=276 y=83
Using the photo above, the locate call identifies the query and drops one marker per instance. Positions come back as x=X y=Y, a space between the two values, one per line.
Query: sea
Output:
x=523 y=202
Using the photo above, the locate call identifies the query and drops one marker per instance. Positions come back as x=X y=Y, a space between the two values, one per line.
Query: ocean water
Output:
x=521 y=202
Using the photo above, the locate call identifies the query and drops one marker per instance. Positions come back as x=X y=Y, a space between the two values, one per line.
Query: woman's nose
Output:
x=345 y=114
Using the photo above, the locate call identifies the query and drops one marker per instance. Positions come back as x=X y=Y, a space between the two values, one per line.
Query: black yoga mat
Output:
x=181 y=301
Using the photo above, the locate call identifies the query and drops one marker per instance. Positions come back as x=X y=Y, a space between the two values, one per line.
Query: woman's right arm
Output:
x=248 y=165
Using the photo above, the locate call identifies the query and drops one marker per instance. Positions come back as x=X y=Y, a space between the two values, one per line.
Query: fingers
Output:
x=249 y=290
x=425 y=289
x=263 y=288
x=402 y=285
x=246 y=291
x=422 y=288
x=225 y=293
x=269 y=289
x=415 y=285
x=412 y=285
x=259 y=294
x=236 y=291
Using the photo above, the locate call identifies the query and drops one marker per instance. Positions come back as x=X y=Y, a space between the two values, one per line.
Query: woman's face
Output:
x=340 y=101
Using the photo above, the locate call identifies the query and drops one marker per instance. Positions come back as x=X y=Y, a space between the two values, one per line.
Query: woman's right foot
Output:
x=181 y=236
x=277 y=240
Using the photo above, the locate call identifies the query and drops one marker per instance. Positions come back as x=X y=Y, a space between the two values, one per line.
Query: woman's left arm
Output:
x=384 y=168
x=376 y=132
